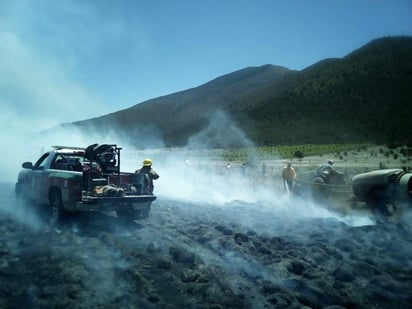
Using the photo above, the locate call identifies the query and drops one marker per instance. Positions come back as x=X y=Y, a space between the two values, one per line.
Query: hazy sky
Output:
x=71 y=60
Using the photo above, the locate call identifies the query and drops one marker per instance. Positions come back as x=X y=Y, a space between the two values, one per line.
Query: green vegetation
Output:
x=287 y=152
x=365 y=96
x=269 y=152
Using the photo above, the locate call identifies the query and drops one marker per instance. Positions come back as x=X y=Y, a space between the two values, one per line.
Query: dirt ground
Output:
x=253 y=249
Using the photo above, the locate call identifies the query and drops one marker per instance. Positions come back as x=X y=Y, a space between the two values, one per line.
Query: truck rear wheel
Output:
x=131 y=214
x=144 y=212
x=127 y=214
x=57 y=212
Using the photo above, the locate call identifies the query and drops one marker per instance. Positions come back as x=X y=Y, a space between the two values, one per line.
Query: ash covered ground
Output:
x=276 y=251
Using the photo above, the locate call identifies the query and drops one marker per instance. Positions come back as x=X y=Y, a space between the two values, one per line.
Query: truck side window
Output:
x=59 y=163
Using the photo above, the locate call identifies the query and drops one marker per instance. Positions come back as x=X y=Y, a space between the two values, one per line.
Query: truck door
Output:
x=37 y=178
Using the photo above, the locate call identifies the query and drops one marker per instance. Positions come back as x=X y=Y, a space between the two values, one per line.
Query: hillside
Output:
x=365 y=96
x=176 y=117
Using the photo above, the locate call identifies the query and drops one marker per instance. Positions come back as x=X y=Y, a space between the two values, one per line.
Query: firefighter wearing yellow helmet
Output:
x=147 y=162
x=150 y=172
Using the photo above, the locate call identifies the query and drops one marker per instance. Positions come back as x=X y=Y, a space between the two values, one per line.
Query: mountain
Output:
x=362 y=97
x=365 y=96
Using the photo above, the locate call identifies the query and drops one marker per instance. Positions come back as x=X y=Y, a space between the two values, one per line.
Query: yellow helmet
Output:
x=147 y=162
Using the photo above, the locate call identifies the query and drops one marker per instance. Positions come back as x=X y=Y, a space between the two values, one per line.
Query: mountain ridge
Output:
x=334 y=100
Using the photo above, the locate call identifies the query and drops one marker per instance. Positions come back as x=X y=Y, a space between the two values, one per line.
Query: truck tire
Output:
x=57 y=212
x=18 y=191
x=131 y=214
x=127 y=214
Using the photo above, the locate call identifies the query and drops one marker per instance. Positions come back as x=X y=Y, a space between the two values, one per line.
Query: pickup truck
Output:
x=75 y=179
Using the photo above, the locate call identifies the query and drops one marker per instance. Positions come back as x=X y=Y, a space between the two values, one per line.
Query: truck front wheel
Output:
x=56 y=208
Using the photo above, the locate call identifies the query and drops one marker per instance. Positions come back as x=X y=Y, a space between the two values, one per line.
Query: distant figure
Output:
x=151 y=173
x=263 y=169
x=228 y=168
x=243 y=169
x=186 y=168
x=288 y=176
x=328 y=167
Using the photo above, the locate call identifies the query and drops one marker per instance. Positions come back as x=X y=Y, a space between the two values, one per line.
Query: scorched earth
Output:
x=281 y=252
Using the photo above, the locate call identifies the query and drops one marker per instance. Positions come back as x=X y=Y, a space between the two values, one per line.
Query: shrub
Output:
x=298 y=154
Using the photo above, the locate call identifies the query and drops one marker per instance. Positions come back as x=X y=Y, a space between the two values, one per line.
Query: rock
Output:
x=343 y=274
x=296 y=267
x=154 y=298
x=164 y=264
x=278 y=243
x=224 y=230
x=283 y=300
x=240 y=237
x=215 y=306
x=189 y=276
x=251 y=233
x=181 y=255
x=270 y=287
x=151 y=248
x=261 y=248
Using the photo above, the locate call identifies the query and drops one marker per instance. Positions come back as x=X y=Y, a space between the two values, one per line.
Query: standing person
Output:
x=150 y=172
x=288 y=176
x=263 y=169
x=243 y=169
x=228 y=168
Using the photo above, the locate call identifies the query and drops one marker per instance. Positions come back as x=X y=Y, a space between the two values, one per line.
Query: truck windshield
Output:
x=41 y=162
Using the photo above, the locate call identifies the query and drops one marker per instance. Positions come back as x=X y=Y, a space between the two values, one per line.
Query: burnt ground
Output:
x=198 y=255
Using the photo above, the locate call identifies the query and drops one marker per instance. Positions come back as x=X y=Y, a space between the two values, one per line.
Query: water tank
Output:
x=380 y=184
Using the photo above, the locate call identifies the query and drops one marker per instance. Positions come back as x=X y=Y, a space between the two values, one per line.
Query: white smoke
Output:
x=185 y=175
x=221 y=132
x=190 y=176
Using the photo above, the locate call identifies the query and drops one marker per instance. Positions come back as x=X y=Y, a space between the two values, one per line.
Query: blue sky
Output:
x=63 y=61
